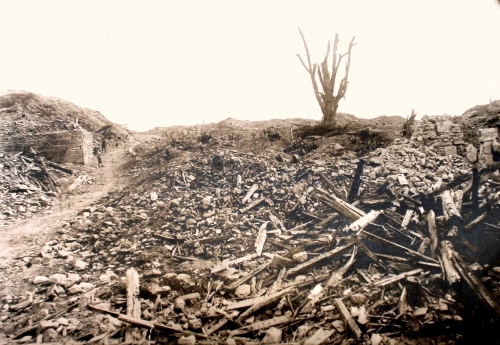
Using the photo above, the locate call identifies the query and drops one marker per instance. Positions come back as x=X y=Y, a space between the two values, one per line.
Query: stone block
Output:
x=485 y=159
x=450 y=150
x=471 y=153
x=487 y=134
x=485 y=148
x=495 y=147
x=443 y=126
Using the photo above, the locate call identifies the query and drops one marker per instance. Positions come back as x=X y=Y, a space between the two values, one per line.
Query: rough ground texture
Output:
x=250 y=241
x=47 y=113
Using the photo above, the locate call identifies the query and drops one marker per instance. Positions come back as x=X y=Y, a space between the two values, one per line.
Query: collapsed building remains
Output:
x=65 y=146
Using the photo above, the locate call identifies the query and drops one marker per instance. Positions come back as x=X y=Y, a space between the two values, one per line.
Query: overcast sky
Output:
x=160 y=63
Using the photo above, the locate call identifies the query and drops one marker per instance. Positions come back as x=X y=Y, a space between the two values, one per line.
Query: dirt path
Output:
x=14 y=238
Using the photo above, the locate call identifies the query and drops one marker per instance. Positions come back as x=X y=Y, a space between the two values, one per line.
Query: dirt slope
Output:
x=24 y=112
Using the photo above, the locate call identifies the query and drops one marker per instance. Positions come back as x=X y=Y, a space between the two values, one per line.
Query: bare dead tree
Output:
x=408 y=126
x=328 y=101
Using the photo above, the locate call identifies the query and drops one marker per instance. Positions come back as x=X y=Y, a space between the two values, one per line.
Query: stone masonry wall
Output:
x=61 y=147
x=440 y=134
x=488 y=146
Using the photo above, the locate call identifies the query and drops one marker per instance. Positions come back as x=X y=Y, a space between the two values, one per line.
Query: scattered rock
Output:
x=242 y=291
x=80 y=265
x=273 y=336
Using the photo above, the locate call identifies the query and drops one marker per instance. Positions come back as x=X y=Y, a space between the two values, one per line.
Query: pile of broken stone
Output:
x=30 y=184
x=231 y=247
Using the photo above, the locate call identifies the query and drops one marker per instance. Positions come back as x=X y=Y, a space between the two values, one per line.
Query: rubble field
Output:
x=306 y=244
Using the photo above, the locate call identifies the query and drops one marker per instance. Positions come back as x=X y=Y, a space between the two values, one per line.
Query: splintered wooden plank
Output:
x=250 y=192
x=217 y=326
x=394 y=279
x=369 y=253
x=279 y=320
x=327 y=220
x=225 y=264
x=476 y=221
x=407 y=218
x=308 y=281
x=408 y=250
x=252 y=204
x=347 y=210
x=364 y=276
x=317 y=259
x=249 y=275
x=246 y=303
x=263 y=303
x=303 y=225
x=135 y=321
x=362 y=222
x=474 y=283
x=261 y=239
x=347 y=317
x=319 y=336
x=277 y=223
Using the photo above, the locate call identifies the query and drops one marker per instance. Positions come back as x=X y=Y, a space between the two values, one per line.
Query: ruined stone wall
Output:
x=488 y=146
x=61 y=147
x=447 y=138
x=440 y=134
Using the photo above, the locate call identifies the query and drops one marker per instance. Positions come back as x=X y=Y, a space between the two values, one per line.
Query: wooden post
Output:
x=450 y=209
x=133 y=302
x=356 y=183
x=452 y=275
x=475 y=191
x=431 y=223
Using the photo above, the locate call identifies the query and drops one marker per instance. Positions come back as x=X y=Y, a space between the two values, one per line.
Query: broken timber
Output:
x=263 y=303
x=431 y=222
x=252 y=204
x=249 y=276
x=447 y=259
x=317 y=259
x=357 y=182
x=263 y=325
x=133 y=302
x=261 y=239
x=362 y=222
x=383 y=240
x=348 y=319
x=352 y=213
x=399 y=277
x=474 y=283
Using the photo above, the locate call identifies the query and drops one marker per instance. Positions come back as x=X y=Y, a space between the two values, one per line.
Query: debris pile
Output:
x=229 y=247
x=29 y=184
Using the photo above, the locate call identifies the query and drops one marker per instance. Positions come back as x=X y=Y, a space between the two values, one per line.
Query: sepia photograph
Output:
x=230 y=172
